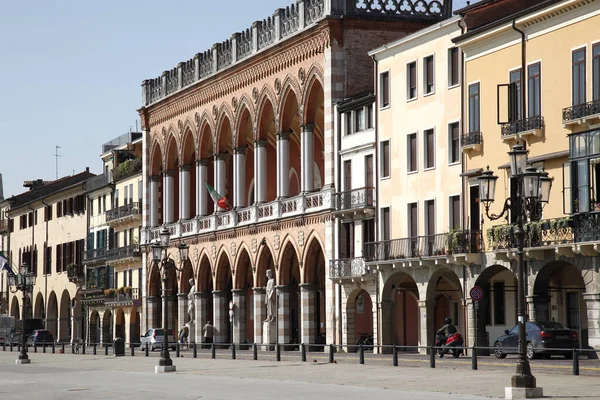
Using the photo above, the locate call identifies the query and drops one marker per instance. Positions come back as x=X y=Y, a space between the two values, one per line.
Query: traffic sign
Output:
x=476 y=293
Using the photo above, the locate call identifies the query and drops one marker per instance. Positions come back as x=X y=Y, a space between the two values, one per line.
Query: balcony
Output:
x=523 y=128
x=94 y=256
x=352 y=269
x=268 y=212
x=124 y=296
x=586 y=113
x=123 y=214
x=460 y=247
x=123 y=254
x=471 y=141
x=355 y=204
x=75 y=273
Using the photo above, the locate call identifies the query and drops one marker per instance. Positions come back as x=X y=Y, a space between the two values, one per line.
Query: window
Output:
x=385 y=224
x=126 y=197
x=92 y=207
x=116 y=199
x=48 y=268
x=534 y=91
x=348 y=120
x=430 y=217
x=514 y=113
x=359 y=119
x=104 y=203
x=454 y=142
x=411 y=78
x=369 y=116
x=347 y=175
x=596 y=72
x=384 y=88
x=385 y=159
x=578 y=77
x=428 y=78
x=369 y=171
x=140 y=191
x=453 y=67
x=474 y=108
x=429 y=147
x=413 y=220
x=368 y=230
x=130 y=277
x=454 y=217
x=411 y=146
x=499 y=306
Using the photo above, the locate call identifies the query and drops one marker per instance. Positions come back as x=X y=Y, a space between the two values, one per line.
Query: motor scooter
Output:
x=452 y=346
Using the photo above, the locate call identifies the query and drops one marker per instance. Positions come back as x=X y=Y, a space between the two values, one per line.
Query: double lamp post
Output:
x=533 y=192
x=23 y=281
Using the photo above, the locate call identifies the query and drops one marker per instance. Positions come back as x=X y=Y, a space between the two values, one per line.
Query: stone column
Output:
x=151 y=312
x=239 y=316
x=182 y=316
x=531 y=307
x=385 y=309
x=284 y=323
x=308 y=328
x=307 y=154
x=425 y=325
x=184 y=192
x=220 y=315
x=154 y=201
x=168 y=197
x=239 y=178
x=101 y=323
x=471 y=328
x=201 y=192
x=201 y=299
x=260 y=313
x=220 y=176
x=172 y=316
x=283 y=164
x=260 y=171
x=592 y=302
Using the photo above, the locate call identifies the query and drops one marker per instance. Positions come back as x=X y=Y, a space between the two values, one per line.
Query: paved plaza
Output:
x=66 y=376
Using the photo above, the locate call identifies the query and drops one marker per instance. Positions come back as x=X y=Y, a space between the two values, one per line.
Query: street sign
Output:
x=476 y=293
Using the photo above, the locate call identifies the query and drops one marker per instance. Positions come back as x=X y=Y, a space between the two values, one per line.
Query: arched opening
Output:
x=107 y=327
x=266 y=136
x=558 y=296
x=245 y=145
x=401 y=325
x=265 y=262
x=290 y=124
x=315 y=328
x=445 y=291
x=154 y=299
x=188 y=164
x=52 y=314
x=225 y=155
x=78 y=321
x=156 y=172
x=244 y=318
x=187 y=274
x=290 y=278
x=38 y=308
x=223 y=295
x=14 y=308
x=359 y=306
x=134 y=326
x=315 y=115
x=120 y=324
x=206 y=288
x=64 y=317
x=172 y=197
x=207 y=161
x=94 y=328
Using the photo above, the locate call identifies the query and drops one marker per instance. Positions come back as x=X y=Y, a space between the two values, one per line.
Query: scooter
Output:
x=452 y=346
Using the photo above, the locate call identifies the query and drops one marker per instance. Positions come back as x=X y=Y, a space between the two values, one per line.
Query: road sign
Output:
x=476 y=293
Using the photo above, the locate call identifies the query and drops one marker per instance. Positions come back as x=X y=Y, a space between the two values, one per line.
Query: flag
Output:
x=4 y=265
x=216 y=197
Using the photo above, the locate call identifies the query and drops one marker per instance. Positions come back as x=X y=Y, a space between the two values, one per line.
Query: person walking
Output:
x=208 y=332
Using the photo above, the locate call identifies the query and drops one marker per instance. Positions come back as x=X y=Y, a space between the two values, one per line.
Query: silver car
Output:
x=155 y=336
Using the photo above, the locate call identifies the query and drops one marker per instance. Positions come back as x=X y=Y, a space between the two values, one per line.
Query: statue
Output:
x=191 y=305
x=270 y=299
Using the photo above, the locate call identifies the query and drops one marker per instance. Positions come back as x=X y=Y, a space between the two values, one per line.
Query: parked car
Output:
x=542 y=338
x=155 y=336
x=41 y=337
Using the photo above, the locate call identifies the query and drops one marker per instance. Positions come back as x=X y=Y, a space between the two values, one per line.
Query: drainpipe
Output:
x=336 y=225
x=376 y=167
x=523 y=65
x=46 y=275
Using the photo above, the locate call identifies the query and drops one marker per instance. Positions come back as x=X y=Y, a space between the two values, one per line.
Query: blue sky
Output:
x=72 y=71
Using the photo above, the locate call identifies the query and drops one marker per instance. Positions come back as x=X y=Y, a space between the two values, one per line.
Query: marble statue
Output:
x=270 y=298
x=191 y=306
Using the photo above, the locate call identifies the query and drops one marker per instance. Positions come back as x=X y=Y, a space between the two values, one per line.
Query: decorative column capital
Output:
x=168 y=173
x=220 y=156
x=219 y=293
x=240 y=149
x=260 y=143
x=203 y=162
x=283 y=135
x=238 y=292
x=282 y=288
x=182 y=296
x=259 y=290
x=184 y=167
x=308 y=128
x=307 y=287
x=154 y=178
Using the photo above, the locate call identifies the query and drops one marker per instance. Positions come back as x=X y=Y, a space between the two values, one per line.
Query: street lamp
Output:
x=23 y=281
x=533 y=192
x=161 y=258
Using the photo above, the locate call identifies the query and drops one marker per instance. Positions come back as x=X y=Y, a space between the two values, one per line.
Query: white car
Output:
x=155 y=336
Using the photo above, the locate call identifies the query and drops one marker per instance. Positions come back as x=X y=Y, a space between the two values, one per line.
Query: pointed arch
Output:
x=290 y=87
x=225 y=115
x=288 y=263
x=310 y=239
x=188 y=125
x=172 y=133
x=314 y=75
x=203 y=255
x=204 y=276
x=223 y=273
x=156 y=158
x=243 y=269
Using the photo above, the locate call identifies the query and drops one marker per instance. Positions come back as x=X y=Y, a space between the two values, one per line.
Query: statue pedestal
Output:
x=269 y=335
x=192 y=332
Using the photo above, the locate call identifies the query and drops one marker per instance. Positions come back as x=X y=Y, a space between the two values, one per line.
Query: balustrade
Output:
x=348 y=268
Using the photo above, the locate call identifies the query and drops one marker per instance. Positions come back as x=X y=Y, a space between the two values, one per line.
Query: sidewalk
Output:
x=403 y=379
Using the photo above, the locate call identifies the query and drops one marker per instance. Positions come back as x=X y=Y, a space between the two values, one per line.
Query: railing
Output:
x=348 y=268
x=120 y=296
x=123 y=211
x=581 y=110
x=522 y=125
x=353 y=199
x=545 y=233
x=94 y=254
x=74 y=272
x=470 y=139
x=457 y=242
x=586 y=227
x=123 y=253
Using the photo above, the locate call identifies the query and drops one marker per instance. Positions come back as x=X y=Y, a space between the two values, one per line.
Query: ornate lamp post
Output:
x=533 y=192
x=161 y=258
x=23 y=281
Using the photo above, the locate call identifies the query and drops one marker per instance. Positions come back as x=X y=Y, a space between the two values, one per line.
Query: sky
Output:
x=72 y=71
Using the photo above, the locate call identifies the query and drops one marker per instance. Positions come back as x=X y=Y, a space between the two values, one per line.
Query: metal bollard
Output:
x=3 y=346
x=575 y=362
x=331 y=350
x=82 y=348
x=431 y=357
x=361 y=354
x=132 y=350
x=105 y=350
x=35 y=348
x=62 y=347
x=278 y=352
x=177 y=350
x=395 y=356
x=195 y=350
x=44 y=348
x=233 y=351
x=94 y=347
x=53 y=348
x=11 y=346
x=473 y=358
x=72 y=348
x=254 y=351
x=147 y=350
x=213 y=351
x=303 y=351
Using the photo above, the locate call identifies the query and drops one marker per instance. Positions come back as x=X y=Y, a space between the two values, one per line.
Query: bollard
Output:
x=132 y=350
x=473 y=358
x=195 y=350
x=147 y=350
x=575 y=362
x=11 y=346
x=35 y=348
x=213 y=350
x=303 y=351
x=105 y=350
x=62 y=347
x=94 y=347
x=278 y=352
x=361 y=354
x=395 y=356
x=72 y=348
x=3 y=346
x=254 y=351
x=83 y=348
x=177 y=350
x=233 y=351
x=331 y=350
x=431 y=357
x=44 y=348
x=53 y=348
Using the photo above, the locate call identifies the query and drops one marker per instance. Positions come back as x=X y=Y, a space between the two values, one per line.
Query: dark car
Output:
x=41 y=336
x=541 y=338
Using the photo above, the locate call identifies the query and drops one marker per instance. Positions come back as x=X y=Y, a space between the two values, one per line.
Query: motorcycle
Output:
x=452 y=346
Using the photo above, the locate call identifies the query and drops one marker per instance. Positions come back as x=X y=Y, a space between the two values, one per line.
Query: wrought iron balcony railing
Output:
x=348 y=268
x=522 y=125
x=354 y=199
x=586 y=227
x=470 y=139
x=123 y=253
x=456 y=242
x=545 y=233
x=94 y=255
x=121 y=295
x=127 y=210
x=581 y=110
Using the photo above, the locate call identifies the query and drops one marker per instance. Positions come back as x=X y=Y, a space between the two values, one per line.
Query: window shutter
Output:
x=566 y=191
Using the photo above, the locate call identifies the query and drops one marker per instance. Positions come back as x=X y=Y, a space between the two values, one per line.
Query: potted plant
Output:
x=127 y=290
x=120 y=290
x=110 y=293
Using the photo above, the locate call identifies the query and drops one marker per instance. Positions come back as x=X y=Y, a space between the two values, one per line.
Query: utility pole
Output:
x=56 y=155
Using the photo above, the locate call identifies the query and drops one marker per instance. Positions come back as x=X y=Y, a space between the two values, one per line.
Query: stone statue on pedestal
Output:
x=191 y=306
x=270 y=298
